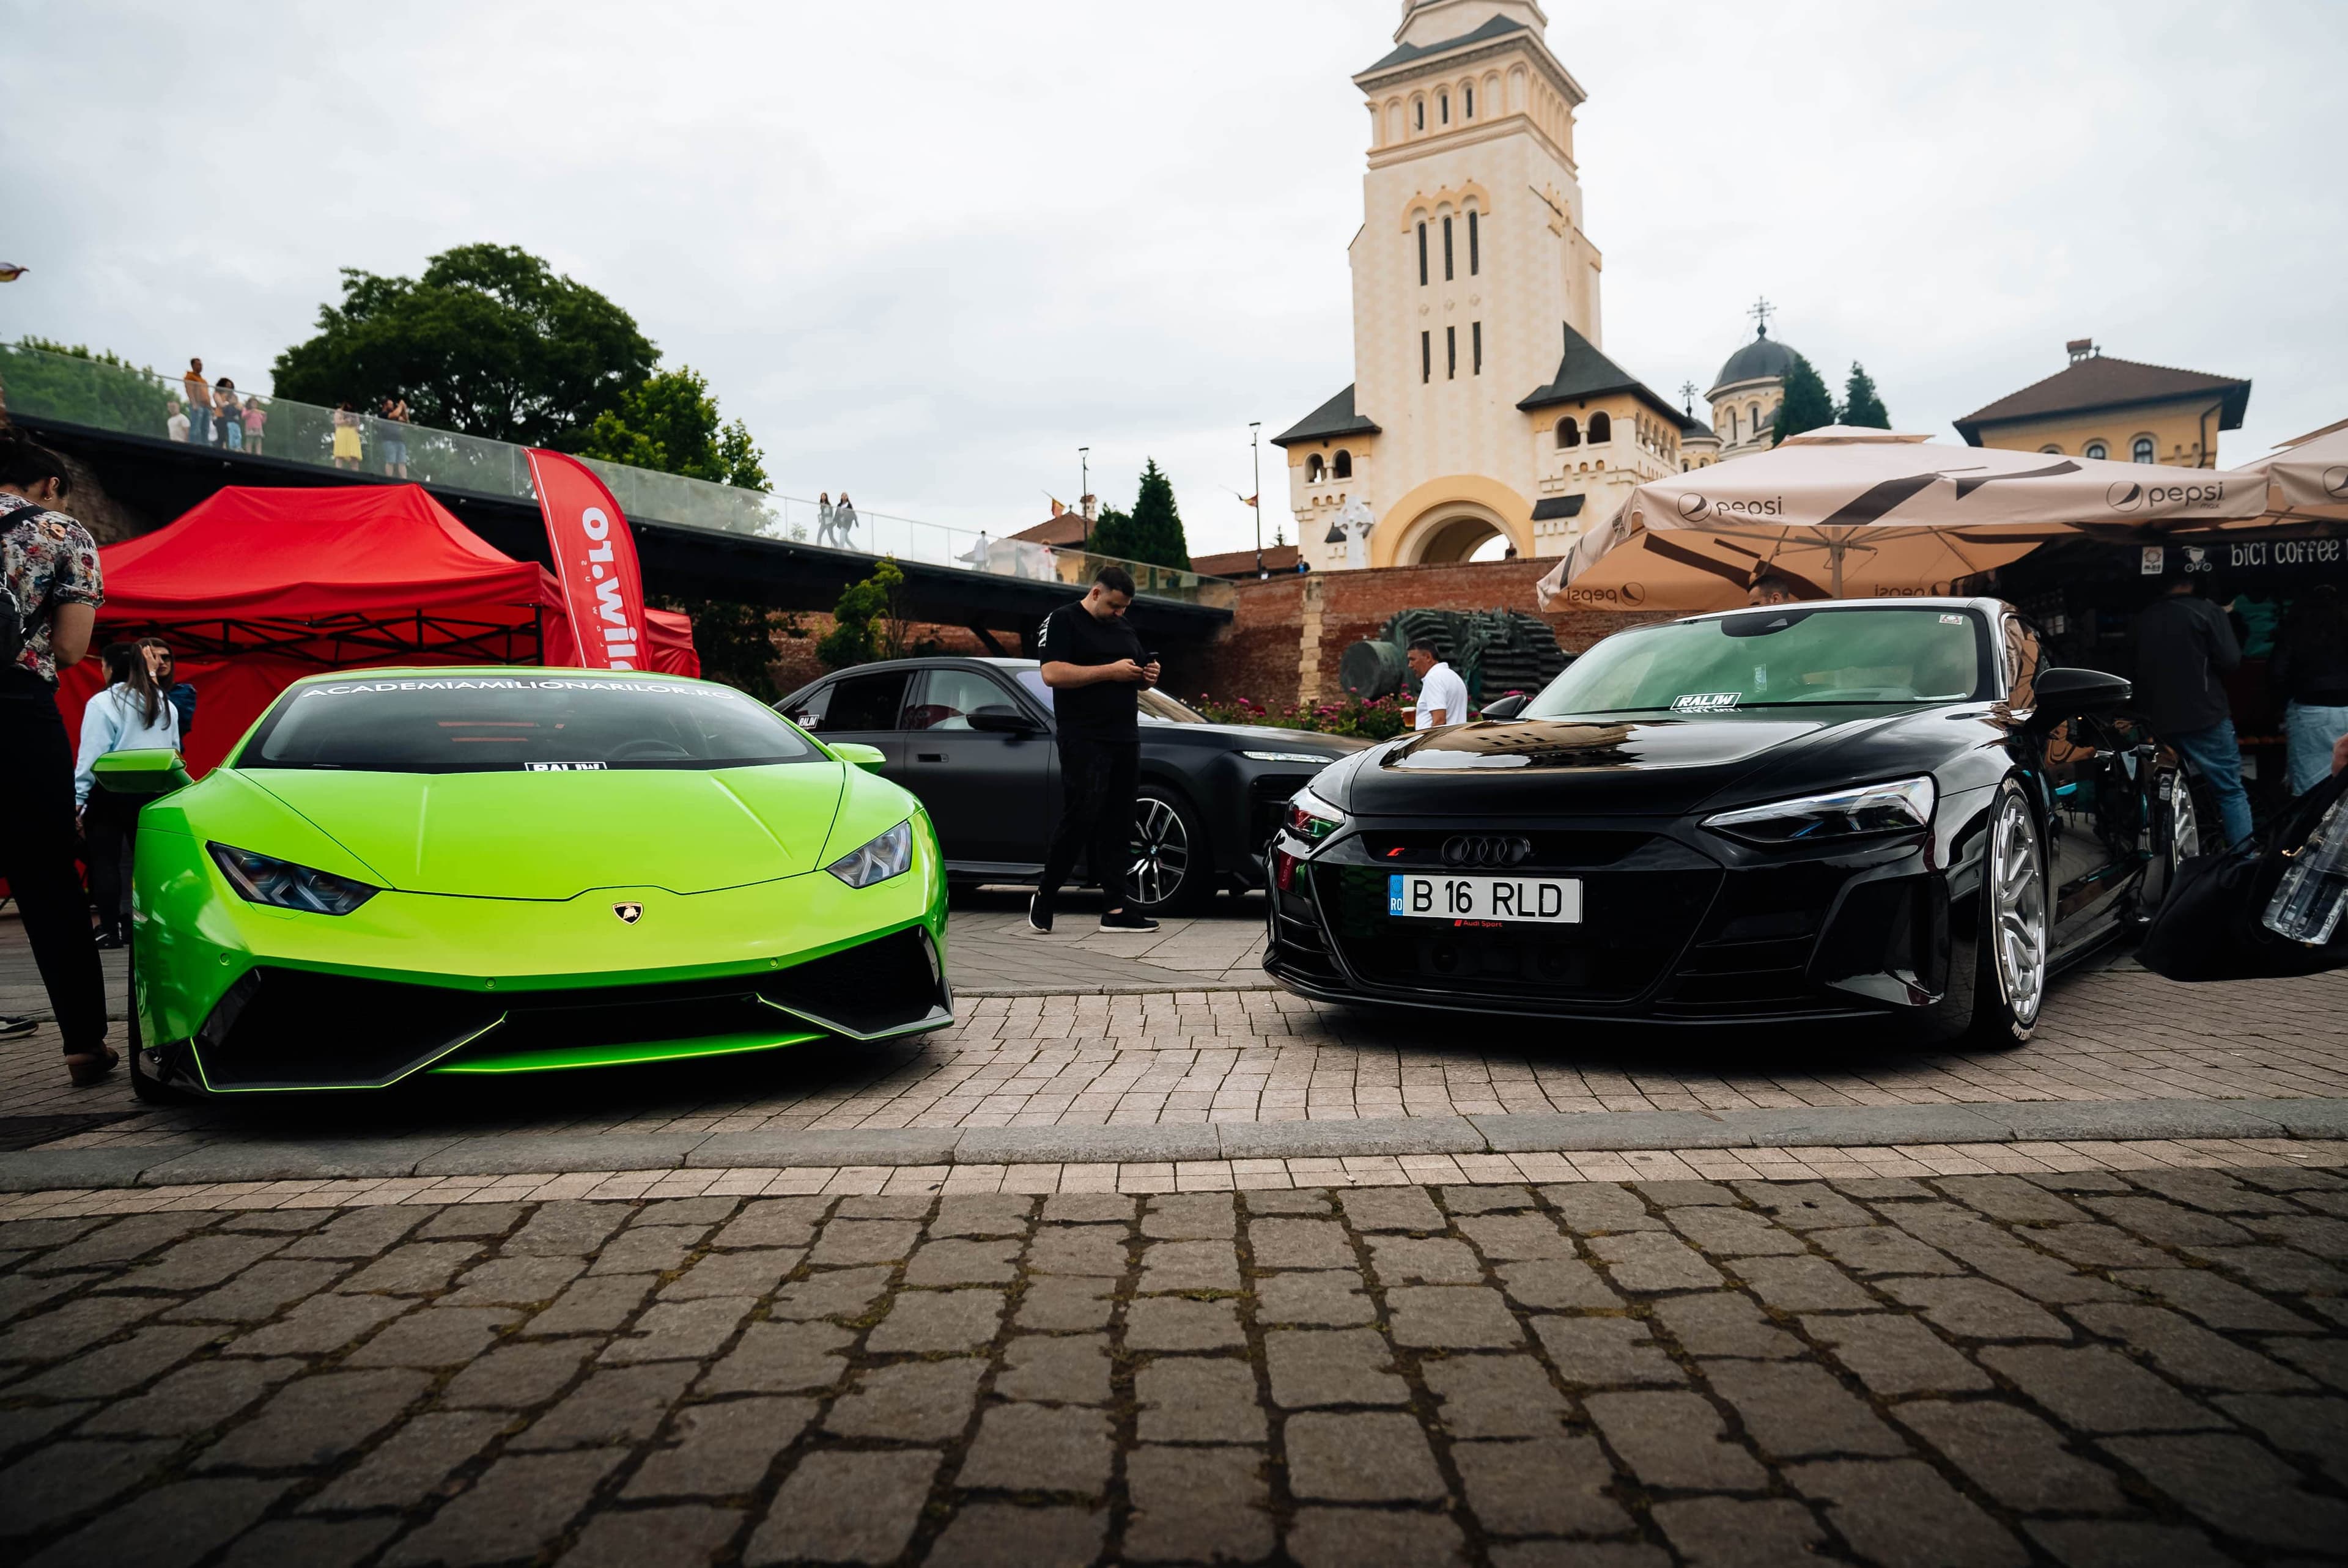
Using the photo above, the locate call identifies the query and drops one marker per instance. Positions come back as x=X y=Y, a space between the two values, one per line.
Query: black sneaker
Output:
x=15 y=1027
x=1127 y=920
x=1039 y=915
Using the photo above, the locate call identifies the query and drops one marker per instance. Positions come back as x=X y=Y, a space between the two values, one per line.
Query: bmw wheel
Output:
x=1171 y=871
x=1997 y=975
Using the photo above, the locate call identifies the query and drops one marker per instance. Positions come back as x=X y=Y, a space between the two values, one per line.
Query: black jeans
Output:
x=36 y=855
x=109 y=830
x=1096 y=789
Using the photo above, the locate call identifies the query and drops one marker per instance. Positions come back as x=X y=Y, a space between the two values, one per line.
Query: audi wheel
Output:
x=1171 y=870
x=1998 y=969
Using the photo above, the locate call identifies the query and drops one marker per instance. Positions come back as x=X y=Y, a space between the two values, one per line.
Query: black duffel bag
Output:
x=2212 y=925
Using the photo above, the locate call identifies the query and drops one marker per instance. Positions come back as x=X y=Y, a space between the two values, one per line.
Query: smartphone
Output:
x=1149 y=659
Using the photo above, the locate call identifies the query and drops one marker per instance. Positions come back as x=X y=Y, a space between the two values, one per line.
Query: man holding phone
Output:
x=1096 y=666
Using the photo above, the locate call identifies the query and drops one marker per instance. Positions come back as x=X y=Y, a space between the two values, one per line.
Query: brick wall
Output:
x=1281 y=622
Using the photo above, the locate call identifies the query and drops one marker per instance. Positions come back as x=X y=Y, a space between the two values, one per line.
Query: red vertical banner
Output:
x=595 y=561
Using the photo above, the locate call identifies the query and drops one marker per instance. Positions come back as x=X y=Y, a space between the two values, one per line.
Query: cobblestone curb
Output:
x=252 y=1160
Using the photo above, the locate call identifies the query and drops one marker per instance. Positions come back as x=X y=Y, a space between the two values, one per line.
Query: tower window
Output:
x=1732 y=426
x=1443 y=107
x=2142 y=451
x=2096 y=450
x=1476 y=337
x=1450 y=353
x=1426 y=357
x=1343 y=467
x=1468 y=102
x=1601 y=428
x=1313 y=469
x=1422 y=255
x=1418 y=114
x=1446 y=249
x=1568 y=433
x=1475 y=251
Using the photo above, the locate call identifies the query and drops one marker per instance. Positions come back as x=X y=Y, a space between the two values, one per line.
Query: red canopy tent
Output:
x=256 y=588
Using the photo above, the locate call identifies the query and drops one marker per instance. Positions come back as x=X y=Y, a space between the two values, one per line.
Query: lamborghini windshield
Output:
x=1782 y=657
x=554 y=722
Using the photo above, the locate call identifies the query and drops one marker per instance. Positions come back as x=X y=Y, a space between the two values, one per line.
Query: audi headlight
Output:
x=1901 y=806
x=263 y=879
x=1315 y=757
x=890 y=854
x=1310 y=818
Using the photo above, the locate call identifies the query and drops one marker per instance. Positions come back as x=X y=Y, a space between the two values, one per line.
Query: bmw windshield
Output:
x=1788 y=656
x=498 y=724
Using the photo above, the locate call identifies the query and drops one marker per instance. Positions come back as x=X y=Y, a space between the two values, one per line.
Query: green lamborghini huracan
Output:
x=513 y=870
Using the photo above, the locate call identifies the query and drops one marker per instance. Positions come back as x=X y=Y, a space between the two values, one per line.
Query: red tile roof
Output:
x=2097 y=381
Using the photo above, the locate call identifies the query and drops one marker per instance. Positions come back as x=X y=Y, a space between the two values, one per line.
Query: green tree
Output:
x=866 y=624
x=490 y=341
x=1806 y=405
x=670 y=422
x=1861 y=404
x=47 y=380
x=1152 y=533
x=735 y=642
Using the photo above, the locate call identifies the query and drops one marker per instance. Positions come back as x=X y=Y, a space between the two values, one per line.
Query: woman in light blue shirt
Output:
x=132 y=713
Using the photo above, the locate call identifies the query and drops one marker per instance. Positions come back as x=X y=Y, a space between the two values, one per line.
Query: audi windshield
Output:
x=1788 y=656
x=491 y=723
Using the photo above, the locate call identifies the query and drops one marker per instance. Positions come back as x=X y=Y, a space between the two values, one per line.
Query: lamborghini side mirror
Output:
x=148 y=772
x=871 y=759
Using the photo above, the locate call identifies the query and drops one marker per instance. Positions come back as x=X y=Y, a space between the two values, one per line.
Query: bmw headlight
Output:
x=890 y=854
x=1310 y=818
x=1901 y=806
x=265 y=879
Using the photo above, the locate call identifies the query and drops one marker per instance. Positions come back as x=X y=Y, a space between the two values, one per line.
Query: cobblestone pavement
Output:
x=1195 y=1057
x=2089 y=1368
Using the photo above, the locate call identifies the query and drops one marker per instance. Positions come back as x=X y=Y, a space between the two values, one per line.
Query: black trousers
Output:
x=110 y=831
x=1096 y=789
x=36 y=855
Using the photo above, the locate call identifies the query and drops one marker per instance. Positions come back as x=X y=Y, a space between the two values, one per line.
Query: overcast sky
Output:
x=928 y=250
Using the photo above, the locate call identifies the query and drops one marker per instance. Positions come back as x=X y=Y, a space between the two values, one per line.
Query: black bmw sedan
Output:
x=973 y=738
x=1887 y=808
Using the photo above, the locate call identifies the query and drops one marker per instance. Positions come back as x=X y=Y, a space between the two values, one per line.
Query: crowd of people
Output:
x=213 y=414
x=50 y=588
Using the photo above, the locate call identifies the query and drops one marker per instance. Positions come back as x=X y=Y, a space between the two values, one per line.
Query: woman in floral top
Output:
x=49 y=593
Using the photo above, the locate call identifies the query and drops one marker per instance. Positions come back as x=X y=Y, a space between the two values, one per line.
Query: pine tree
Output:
x=1862 y=404
x=1806 y=405
x=1152 y=534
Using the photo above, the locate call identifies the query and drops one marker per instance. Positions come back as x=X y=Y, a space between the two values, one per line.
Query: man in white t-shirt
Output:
x=1442 y=695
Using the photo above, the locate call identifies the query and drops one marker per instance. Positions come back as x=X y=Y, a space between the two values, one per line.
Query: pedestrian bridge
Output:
x=696 y=540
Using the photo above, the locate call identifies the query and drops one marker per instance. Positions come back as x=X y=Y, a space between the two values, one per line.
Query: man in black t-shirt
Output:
x=1093 y=661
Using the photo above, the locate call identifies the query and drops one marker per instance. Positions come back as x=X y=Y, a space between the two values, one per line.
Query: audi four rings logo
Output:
x=1486 y=849
x=629 y=914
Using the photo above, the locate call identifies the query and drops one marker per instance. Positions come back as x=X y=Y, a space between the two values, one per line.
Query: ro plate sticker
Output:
x=1393 y=895
x=1705 y=702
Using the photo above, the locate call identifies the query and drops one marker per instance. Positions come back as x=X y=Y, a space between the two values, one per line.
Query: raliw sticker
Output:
x=1705 y=702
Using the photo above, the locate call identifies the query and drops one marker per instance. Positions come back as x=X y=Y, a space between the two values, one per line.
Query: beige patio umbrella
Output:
x=1850 y=512
x=2308 y=478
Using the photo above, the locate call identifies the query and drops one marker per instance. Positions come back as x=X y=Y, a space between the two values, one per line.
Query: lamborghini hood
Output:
x=558 y=835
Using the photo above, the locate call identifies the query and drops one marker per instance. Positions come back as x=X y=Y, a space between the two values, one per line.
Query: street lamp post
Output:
x=1083 y=489
x=1255 y=453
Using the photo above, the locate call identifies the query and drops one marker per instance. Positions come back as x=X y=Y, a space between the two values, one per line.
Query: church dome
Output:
x=1763 y=359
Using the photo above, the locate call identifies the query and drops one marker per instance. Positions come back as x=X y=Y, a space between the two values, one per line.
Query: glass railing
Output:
x=128 y=400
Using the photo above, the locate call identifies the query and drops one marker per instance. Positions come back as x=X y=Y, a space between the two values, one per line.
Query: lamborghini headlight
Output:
x=1310 y=818
x=263 y=879
x=1901 y=806
x=890 y=854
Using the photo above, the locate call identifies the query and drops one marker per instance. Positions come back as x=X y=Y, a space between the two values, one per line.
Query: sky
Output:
x=927 y=250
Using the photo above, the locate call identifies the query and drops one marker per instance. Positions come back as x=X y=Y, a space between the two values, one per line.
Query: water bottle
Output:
x=2307 y=903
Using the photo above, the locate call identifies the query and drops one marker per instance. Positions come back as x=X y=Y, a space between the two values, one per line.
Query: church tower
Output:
x=1472 y=275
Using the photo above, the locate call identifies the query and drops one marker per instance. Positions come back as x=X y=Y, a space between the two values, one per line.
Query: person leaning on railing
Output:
x=50 y=589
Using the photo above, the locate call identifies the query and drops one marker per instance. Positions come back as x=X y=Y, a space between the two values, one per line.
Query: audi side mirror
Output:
x=2061 y=695
x=1002 y=718
x=148 y=772
x=1507 y=707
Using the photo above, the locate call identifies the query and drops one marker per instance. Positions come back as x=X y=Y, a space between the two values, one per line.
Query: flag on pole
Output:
x=594 y=560
x=1057 y=507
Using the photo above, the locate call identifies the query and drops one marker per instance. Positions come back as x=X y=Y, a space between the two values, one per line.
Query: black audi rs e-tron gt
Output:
x=1885 y=807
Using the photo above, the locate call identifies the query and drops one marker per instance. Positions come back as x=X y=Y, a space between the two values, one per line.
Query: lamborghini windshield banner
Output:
x=595 y=560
